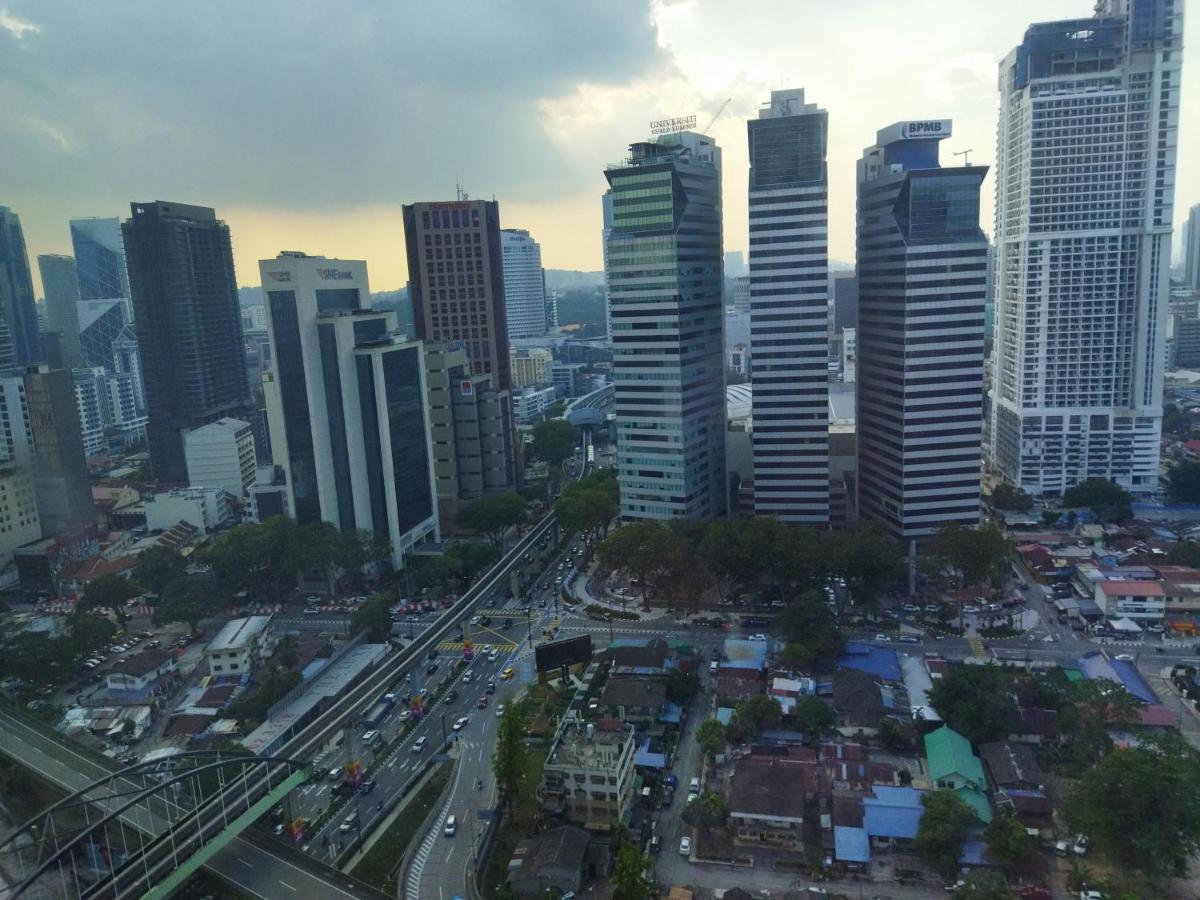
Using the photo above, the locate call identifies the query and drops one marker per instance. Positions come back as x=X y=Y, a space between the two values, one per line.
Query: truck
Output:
x=379 y=711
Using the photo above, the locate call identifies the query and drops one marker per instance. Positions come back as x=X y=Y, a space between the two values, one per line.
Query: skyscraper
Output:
x=16 y=295
x=524 y=290
x=62 y=302
x=664 y=275
x=789 y=300
x=189 y=325
x=346 y=403
x=1191 y=249
x=1085 y=174
x=455 y=267
x=99 y=258
x=922 y=284
x=60 y=472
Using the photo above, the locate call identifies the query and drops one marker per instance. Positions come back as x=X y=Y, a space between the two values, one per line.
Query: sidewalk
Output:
x=586 y=587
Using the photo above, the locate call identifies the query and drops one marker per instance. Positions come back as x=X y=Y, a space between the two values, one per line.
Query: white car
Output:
x=461 y=723
x=451 y=826
x=466 y=679
x=882 y=638
x=1124 y=657
x=499 y=710
x=493 y=655
x=757 y=637
x=694 y=785
x=685 y=846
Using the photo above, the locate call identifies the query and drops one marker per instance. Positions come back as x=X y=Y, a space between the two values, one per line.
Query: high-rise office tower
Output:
x=789 y=300
x=99 y=258
x=922 y=284
x=1085 y=178
x=60 y=472
x=1191 y=249
x=17 y=305
x=346 y=403
x=189 y=325
x=664 y=274
x=606 y=212
x=62 y=302
x=456 y=272
x=524 y=289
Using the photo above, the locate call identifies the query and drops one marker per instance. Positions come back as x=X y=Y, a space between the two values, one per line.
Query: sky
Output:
x=307 y=125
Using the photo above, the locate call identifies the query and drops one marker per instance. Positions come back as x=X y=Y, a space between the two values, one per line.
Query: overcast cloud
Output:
x=307 y=125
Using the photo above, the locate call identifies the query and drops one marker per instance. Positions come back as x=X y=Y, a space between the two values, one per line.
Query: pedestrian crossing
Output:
x=459 y=646
x=977 y=646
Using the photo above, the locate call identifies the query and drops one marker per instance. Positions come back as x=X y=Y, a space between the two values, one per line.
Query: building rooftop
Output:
x=237 y=633
x=894 y=812
x=771 y=786
x=143 y=663
x=588 y=747
x=950 y=753
x=878 y=661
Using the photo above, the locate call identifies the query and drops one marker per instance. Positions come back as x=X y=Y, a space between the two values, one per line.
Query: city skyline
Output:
x=554 y=118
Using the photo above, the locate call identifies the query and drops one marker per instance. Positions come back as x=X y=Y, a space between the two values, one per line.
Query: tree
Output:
x=1009 y=843
x=588 y=506
x=508 y=762
x=492 y=516
x=868 y=559
x=723 y=551
x=639 y=549
x=943 y=828
x=373 y=615
x=1007 y=497
x=554 y=441
x=255 y=562
x=108 y=592
x=976 y=702
x=287 y=651
x=1184 y=553
x=976 y=555
x=316 y=547
x=157 y=567
x=1049 y=517
x=754 y=715
x=1107 y=501
x=362 y=552
x=629 y=874
x=186 y=599
x=1183 y=482
x=710 y=735
x=813 y=717
x=811 y=636
x=88 y=633
x=706 y=811
x=682 y=686
x=1140 y=806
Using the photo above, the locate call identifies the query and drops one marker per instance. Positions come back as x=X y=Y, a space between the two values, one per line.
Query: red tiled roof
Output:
x=94 y=567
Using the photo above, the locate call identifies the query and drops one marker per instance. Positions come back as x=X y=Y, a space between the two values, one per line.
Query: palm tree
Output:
x=287 y=651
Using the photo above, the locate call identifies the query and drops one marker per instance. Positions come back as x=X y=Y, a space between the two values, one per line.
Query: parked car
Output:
x=685 y=846
x=1081 y=845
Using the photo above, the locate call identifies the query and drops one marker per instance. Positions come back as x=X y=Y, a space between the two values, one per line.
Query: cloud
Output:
x=18 y=28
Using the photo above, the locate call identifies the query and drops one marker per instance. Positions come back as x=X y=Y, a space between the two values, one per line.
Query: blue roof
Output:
x=781 y=736
x=851 y=844
x=881 y=662
x=724 y=714
x=894 y=812
x=1133 y=681
x=672 y=713
x=974 y=853
x=644 y=757
x=752 y=664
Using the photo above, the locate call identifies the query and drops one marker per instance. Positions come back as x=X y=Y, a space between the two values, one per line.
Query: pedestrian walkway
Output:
x=458 y=646
x=976 y=645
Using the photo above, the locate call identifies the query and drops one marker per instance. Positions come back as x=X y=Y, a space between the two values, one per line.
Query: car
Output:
x=419 y=744
x=460 y=723
x=1081 y=845
x=694 y=785
x=485 y=621
x=1155 y=628
x=451 y=696
x=451 y=826
x=499 y=710
x=1090 y=894
x=911 y=608
x=431 y=668
x=406 y=715
x=932 y=607
x=757 y=637
x=368 y=737
x=1124 y=657
x=506 y=624
x=491 y=688
x=493 y=655
x=467 y=676
x=433 y=654
x=349 y=822
x=685 y=846
x=970 y=608
x=882 y=638
x=714 y=667
x=909 y=639
x=474 y=620
x=482 y=702
x=335 y=772
x=507 y=674
x=367 y=786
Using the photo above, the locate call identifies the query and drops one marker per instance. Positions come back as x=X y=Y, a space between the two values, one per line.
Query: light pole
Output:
x=608 y=617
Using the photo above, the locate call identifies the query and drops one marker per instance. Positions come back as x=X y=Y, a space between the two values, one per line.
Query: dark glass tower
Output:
x=189 y=325
x=20 y=346
x=99 y=258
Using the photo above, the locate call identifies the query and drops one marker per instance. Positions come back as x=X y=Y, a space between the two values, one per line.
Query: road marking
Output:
x=244 y=863
x=288 y=886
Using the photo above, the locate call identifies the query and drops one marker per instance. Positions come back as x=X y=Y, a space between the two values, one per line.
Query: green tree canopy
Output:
x=373 y=616
x=259 y=560
x=640 y=550
x=976 y=701
x=1140 y=806
x=943 y=829
x=493 y=516
x=629 y=874
x=710 y=736
x=1183 y=482
x=554 y=440
x=1009 y=843
x=157 y=567
x=754 y=715
x=108 y=592
x=88 y=633
x=814 y=718
x=1107 y=501
x=976 y=555
x=706 y=811
x=1007 y=497
x=813 y=642
x=1184 y=553
x=508 y=760
x=188 y=598
x=867 y=558
x=588 y=506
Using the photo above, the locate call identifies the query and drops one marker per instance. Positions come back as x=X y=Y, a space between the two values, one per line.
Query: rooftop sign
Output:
x=672 y=126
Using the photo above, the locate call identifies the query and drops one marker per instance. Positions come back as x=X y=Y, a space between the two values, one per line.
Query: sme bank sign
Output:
x=929 y=128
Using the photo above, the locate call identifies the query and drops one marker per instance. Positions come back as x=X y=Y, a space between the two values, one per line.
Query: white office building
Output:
x=789 y=300
x=221 y=455
x=346 y=404
x=1085 y=182
x=524 y=284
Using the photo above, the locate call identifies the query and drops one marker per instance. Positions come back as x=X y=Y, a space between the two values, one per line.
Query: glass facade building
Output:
x=664 y=276
x=922 y=286
x=789 y=301
x=1085 y=183
x=99 y=258
x=20 y=345
x=524 y=287
x=61 y=289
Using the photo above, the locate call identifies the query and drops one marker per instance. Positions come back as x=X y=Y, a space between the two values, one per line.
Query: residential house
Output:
x=892 y=817
x=770 y=797
x=238 y=646
x=1010 y=765
x=952 y=765
x=1142 y=601
x=635 y=699
x=141 y=670
x=552 y=861
x=858 y=702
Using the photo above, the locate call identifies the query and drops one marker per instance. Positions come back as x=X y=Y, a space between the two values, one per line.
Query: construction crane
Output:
x=965 y=154
x=717 y=116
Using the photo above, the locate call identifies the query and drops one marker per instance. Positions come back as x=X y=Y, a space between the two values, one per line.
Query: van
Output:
x=349 y=822
x=419 y=744
x=451 y=826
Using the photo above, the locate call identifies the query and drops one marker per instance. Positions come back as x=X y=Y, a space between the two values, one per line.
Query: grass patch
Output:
x=602 y=611
x=378 y=866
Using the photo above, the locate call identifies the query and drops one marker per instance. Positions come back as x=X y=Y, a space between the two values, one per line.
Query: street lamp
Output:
x=608 y=617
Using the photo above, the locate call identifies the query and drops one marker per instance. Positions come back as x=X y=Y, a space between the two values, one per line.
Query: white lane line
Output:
x=288 y=886
x=244 y=863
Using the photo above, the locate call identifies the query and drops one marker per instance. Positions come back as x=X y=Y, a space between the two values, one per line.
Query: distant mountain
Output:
x=569 y=279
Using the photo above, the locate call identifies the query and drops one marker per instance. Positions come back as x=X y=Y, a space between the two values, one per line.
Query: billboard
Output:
x=556 y=654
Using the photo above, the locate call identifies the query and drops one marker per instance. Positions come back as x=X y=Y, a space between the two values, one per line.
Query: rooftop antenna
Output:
x=965 y=154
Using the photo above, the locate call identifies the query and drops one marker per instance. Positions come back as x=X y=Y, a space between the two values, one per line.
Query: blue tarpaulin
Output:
x=645 y=757
x=894 y=812
x=878 y=661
